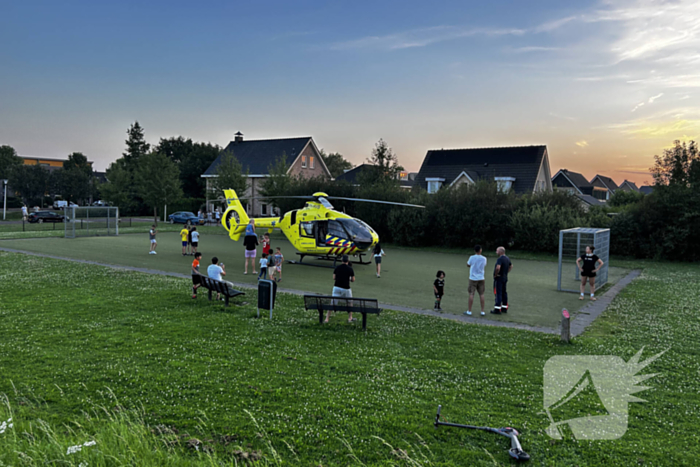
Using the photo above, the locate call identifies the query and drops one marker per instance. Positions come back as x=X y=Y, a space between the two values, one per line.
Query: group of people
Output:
x=271 y=261
x=190 y=240
x=209 y=216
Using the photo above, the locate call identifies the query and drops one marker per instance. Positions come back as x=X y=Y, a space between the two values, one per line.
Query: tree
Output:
x=230 y=175
x=157 y=181
x=674 y=166
x=78 y=161
x=136 y=145
x=336 y=163
x=279 y=183
x=118 y=189
x=9 y=160
x=386 y=163
x=74 y=182
x=192 y=159
x=30 y=181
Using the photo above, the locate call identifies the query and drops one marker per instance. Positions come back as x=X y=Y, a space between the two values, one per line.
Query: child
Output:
x=378 y=253
x=263 y=267
x=196 y=282
x=271 y=265
x=195 y=240
x=439 y=289
x=250 y=228
x=152 y=236
x=184 y=234
x=279 y=259
x=189 y=240
x=266 y=244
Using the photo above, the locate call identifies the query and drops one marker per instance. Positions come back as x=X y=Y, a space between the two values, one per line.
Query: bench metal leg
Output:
x=364 y=321
x=320 y=316
x=226 y=300
x=209 y=294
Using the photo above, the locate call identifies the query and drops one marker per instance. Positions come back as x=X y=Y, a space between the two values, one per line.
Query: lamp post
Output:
x=4 y=199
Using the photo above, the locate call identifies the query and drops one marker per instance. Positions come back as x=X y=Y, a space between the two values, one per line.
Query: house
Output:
x=523 y=169
x=628 y=186
x=354 y=176
x=302 y=158
x=646 y=189
x=607 y=183
x=48 y=163
x=588 y=200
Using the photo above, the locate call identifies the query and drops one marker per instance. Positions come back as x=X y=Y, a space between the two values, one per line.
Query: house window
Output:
x=263 y=209
x=434 y=184
x=505 y=184
x=303 y=162
x=311 y=162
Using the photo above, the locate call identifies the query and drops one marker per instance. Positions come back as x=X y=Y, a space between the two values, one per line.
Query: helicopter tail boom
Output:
x=235 y=218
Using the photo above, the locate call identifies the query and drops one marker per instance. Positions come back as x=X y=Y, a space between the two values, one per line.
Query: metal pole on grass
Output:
x=4 y=200
x=561 y=249
x=116 y=225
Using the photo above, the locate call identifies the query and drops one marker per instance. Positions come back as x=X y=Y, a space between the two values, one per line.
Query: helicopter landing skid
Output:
x=335 y=260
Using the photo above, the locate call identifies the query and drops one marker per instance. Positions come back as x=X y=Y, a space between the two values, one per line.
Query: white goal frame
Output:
x=79 y=220
x=572 y=244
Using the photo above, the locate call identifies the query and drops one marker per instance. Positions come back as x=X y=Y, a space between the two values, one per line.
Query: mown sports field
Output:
x=407 y=274
x=129 y=368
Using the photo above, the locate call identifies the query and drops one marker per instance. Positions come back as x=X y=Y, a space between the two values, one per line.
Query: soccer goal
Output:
x=90 y=221
x=572 y=244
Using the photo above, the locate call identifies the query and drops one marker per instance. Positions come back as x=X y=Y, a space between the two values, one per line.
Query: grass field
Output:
x=407 y=275
x=128 y=361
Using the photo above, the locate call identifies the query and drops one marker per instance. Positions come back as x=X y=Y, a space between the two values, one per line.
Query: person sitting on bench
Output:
x=216 y=271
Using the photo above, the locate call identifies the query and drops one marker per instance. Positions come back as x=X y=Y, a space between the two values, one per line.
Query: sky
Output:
x=606 y=85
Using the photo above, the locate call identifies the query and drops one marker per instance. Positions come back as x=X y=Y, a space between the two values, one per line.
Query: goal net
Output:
x=572 y=244
x=90 y=221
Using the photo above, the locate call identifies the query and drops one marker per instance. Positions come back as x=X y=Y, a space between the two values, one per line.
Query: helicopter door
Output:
x=321 y=230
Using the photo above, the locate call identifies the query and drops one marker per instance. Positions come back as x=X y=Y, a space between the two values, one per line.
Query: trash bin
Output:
x=267 y=291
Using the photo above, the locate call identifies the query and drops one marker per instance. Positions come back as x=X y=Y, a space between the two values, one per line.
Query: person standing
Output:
x=343 y=275
x=184 y=235
x=500 y=280
x=477 y=281
x=196 y=282
x=439 y=289
x=263 y=267
x=152 y=237
x=378 y=253
x=218 y=216
x=25 y=212
x=251 y=251
x=195 y=240
x=277 y=260
x=591 y=265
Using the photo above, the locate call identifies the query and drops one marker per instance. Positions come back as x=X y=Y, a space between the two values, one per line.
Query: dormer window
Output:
x=434 y=184
x=505 y=184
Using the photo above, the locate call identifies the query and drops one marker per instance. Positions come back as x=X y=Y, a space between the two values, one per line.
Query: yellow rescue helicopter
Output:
x=315 y=230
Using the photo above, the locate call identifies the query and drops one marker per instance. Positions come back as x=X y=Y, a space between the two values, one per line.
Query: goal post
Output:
x=91 y=221
x=572 y=244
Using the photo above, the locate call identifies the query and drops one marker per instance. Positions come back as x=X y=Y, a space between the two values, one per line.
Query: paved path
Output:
x=582 y=319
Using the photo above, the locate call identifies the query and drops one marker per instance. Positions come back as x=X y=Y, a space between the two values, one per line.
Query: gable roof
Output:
x=521 y=162
x=646 y=189
x=607 y=181
x=257 y=156
x=590 y=200
x=352 y=175
x=630 y=185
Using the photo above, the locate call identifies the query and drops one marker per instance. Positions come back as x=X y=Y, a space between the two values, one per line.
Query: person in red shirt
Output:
x=266 y=244
x=195 y=274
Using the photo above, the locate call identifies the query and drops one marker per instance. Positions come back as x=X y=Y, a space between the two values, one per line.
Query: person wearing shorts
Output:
x=277 y=260
x=477 y=281
x=195 y=240
x=196 y=278
x=251 y=251
x=343 y=275
x=184 y=236
x=589 y=264
x=378 y=253
x=152 y=237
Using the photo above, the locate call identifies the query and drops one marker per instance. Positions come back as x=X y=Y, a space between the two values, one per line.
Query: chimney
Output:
x=238 y=137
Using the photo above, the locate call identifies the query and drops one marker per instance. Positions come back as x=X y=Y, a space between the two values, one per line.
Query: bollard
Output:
x=565 y=326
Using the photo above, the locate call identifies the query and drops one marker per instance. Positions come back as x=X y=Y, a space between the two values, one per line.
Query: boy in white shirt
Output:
x=216 y=272
x=263 y=267
x=477 y=281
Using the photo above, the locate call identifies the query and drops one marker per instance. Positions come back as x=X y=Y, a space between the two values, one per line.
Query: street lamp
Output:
x=4 y=199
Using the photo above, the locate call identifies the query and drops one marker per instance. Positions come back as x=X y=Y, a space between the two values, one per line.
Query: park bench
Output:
x=325 y=303
x=212 y=285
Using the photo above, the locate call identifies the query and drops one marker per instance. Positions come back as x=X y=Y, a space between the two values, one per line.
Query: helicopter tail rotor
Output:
x=235 y=218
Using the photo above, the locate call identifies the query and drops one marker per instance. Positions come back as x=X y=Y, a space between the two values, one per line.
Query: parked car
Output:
x=184 y=217
x=44 y=216
x=99 y=202
x=61 y=204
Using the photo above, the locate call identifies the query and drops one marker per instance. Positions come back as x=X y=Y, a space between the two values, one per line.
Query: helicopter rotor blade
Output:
x=377 y=201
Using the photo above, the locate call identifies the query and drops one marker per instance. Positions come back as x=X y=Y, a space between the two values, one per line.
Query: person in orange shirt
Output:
x=196 y=282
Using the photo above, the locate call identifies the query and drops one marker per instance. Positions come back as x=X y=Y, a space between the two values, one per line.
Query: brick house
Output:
x=301 y=155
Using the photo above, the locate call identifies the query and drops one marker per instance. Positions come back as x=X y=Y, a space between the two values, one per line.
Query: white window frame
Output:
x=303 y=162
x=505 y=184
x=311 y=162
x=434 y=182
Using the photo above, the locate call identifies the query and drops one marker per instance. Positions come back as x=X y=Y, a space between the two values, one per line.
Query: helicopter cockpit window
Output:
x=336 y=230
x=306 y=229
x=354 y=228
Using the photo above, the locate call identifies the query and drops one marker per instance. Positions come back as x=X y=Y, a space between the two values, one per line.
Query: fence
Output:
x=572 y=244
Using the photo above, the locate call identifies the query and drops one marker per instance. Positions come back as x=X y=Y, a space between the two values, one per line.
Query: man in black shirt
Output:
x=500 y=279
x=589 y=264
x=343 y=275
